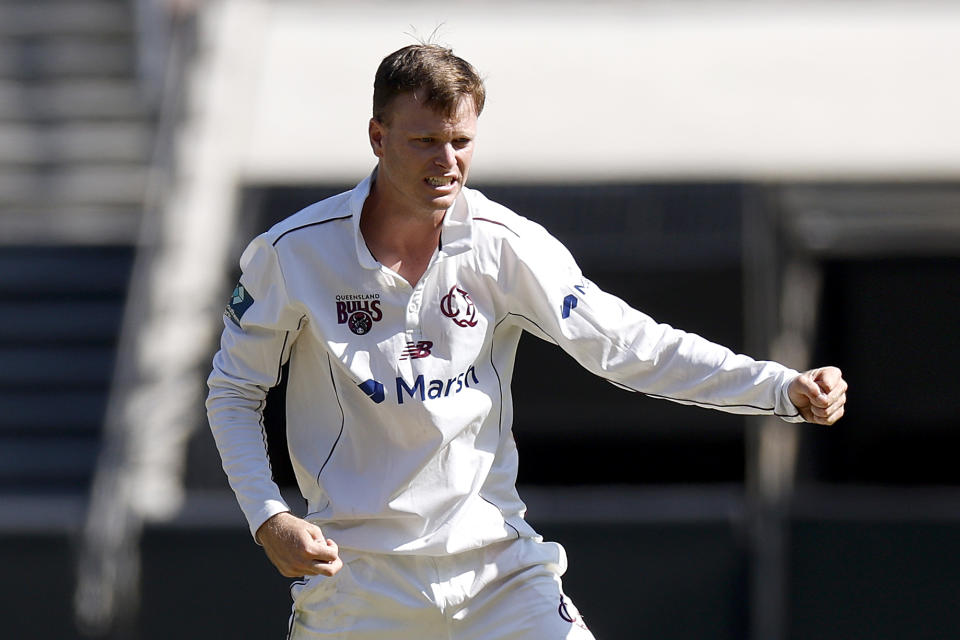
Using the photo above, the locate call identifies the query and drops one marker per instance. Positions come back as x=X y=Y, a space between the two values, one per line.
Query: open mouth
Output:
x=440 y=181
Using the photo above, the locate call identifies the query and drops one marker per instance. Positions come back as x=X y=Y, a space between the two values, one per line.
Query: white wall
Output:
x=619 y=90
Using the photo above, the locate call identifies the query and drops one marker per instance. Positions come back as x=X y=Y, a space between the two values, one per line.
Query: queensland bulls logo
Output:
x=359 y=312
x=458 y=306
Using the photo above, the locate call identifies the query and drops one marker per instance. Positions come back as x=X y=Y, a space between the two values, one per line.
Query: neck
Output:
x=400 y=239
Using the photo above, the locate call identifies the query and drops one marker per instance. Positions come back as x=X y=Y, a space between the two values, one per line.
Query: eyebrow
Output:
x=427 y=133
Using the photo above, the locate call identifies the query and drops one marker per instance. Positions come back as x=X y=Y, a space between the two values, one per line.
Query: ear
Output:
x=376 y=130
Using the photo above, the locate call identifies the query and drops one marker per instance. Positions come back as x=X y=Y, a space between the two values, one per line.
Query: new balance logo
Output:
x=415 y=350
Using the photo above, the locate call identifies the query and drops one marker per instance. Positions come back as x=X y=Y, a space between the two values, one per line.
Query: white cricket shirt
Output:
x=399 y=409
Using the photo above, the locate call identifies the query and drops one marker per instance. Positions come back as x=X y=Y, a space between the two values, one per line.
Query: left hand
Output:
x=819 y=394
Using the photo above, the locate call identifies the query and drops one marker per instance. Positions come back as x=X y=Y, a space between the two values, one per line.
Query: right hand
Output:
x=297 y=548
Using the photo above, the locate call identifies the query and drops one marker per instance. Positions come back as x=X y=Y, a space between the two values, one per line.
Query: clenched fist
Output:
x=297 y=548
x=819 y=394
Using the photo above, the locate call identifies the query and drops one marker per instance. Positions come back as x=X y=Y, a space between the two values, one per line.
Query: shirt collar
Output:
x=457 y=234
x=357 y=197
x=455 y=237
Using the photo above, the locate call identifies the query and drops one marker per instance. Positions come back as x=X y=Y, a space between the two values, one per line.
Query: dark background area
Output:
x=859 y=568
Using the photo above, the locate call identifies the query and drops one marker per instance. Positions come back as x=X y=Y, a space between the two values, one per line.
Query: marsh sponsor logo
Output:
x=359 y=311
x=439 y=388
x=422 y=388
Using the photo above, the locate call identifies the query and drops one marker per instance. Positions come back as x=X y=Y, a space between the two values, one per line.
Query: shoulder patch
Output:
x=240 y=301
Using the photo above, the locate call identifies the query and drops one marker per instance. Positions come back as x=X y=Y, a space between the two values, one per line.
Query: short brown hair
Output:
x=445 y=77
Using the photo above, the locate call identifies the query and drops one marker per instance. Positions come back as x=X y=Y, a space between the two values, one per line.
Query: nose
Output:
x=446 y=155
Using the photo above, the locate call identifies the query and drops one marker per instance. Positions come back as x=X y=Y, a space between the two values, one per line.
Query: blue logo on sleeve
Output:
x=373 y=389
x=240 y=301
x=569 y=303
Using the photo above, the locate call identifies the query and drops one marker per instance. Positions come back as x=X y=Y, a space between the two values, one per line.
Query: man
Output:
x=399 y=306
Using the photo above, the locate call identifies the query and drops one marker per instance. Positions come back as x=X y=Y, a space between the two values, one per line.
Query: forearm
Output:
x=236 y=423
x=666 y=363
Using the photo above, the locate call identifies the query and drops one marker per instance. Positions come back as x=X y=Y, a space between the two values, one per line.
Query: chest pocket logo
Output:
x=358 y=315
x=458 y=306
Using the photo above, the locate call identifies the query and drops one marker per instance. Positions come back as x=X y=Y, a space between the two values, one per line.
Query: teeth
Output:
x=440 y=182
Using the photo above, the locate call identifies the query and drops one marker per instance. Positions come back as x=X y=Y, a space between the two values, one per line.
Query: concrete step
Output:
x=52 y=410
x=98 y=142
x=26 y=18
x=63 y=367
x=33 y=59
x=55 y=460
x=91 y=99
x=59 y=321
x=103 y=184
x=57 y=272
x=73 y=225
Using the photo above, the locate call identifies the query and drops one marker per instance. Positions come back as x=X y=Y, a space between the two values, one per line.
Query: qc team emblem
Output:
x=458 y=306
x=359 y=311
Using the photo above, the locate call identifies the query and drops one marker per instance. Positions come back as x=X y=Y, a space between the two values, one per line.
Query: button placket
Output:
x=413 y=333
x=412 y=326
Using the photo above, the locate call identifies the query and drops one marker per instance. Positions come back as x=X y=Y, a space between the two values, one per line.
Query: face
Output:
x=424 y=156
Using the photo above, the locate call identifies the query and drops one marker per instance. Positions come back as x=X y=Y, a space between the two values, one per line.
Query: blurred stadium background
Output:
x=782 y=177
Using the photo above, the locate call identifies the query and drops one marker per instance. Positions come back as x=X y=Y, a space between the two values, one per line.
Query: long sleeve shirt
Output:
x=399 y=410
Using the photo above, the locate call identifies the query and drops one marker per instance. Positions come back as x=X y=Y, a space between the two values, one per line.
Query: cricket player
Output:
x=398 y=306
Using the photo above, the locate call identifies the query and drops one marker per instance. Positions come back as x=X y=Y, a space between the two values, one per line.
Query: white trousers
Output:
x=507 y=591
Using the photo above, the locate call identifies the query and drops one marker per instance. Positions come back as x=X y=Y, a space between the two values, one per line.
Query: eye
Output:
x=460 y=143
